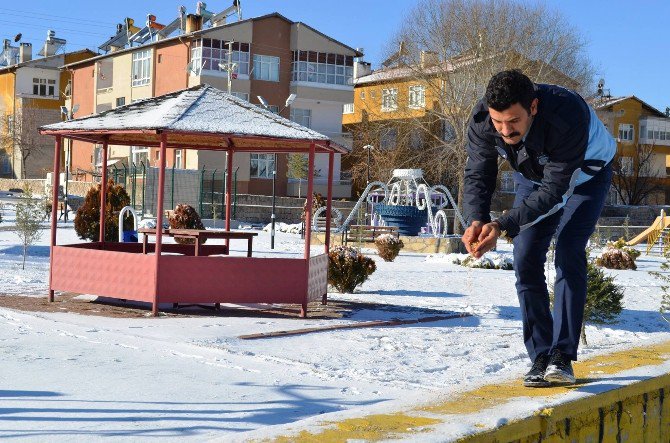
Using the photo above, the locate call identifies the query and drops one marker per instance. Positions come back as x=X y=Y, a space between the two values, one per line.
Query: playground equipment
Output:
x=654 y=234
x=127 y=236
x=408 y=189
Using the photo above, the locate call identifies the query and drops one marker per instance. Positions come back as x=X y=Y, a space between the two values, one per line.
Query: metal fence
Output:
x=203 y=189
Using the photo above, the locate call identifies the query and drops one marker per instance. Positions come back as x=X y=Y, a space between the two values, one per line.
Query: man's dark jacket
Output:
x=566 y=146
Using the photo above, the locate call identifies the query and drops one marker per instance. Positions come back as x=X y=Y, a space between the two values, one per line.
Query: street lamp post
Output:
x=291 y=98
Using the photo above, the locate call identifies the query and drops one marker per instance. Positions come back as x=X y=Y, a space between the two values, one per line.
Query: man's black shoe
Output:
x=535 y=377
x=559 y=369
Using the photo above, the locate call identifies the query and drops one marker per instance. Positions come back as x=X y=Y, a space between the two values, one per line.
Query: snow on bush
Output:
x=488 y=261
x=618 y=256
x=285 y=227
x=348 y=268
x=388 y=246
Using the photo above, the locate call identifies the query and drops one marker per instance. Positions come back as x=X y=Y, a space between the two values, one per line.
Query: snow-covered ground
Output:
x=71 y=377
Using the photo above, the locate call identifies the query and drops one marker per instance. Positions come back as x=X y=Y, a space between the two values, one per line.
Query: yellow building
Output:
x=32 y=90
x=636 y=125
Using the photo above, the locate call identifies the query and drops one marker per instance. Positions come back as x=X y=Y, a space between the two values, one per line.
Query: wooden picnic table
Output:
x=200 y=236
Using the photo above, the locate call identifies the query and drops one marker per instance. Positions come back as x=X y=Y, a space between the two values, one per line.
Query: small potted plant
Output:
x=185 y=217
x=388 y=246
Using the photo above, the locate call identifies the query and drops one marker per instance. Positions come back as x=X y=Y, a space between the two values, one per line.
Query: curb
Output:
x=622 y=396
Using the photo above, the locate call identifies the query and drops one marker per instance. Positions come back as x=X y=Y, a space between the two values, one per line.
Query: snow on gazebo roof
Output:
x=201 y=117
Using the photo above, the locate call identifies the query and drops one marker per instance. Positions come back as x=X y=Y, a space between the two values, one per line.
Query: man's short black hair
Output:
x=509 y=87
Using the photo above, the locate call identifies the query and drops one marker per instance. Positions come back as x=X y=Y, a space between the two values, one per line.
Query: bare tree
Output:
x=453 y=47
x=22 y=136
x=637 y=177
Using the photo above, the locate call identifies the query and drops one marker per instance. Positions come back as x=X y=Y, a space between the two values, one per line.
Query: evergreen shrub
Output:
x=348 y=268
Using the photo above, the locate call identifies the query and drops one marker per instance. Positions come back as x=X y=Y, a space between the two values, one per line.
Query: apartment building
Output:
x=268 y=57
x=32 y=91
x=635 y=124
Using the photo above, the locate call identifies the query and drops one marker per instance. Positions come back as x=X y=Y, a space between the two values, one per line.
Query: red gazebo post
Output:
x=103 y=193
x=54 y=208
x=308 y=210
x=308 y=219
x=329 y=207
x=329 y=198
x=159 y=218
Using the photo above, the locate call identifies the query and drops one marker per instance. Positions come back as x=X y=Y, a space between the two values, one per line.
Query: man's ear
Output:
x=533 y=106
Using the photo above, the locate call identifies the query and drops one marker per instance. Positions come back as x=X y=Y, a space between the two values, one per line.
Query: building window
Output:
x=626 y=166
x=348 y=108
x=178 y=159
x=208 y=53
x=322 y=67
x=388 y=138
x=362 y=95
x=5 y=164
x=142 y=67
x=97 y=156
x=625 y=132
x=241 y=95
x=302 y=116
x=262 y=165
x=139 y=154
x=417 y=96
x=415 y=139
x=274 y=109
x=389 y=99
x=266 y=67
x=120 y=101
x=44 y=87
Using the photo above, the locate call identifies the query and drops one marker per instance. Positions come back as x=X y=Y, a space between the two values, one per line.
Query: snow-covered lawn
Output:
x=76 y=377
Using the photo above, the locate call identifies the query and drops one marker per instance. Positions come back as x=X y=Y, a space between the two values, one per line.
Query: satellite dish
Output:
x=17 y=37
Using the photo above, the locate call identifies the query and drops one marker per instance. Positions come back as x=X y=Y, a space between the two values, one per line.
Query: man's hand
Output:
x=471 y=236
x=487 y=239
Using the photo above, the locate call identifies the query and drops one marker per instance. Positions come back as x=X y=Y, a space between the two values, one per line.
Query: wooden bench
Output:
x=367 y=233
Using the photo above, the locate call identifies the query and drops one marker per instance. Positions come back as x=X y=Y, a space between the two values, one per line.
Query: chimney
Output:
x=25 y=52
x=193 y=23
x=428 y=59
x=362 y=69
x=6 y=43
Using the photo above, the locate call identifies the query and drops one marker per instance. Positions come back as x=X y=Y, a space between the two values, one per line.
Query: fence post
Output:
x=212 y=192
x=235 y=193
x=144 y=187
x=133 y=183
x=202 y=189
x=172 y=186
x=224 y=174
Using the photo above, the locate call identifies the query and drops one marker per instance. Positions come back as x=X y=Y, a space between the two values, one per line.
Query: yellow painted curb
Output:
x=637 y=411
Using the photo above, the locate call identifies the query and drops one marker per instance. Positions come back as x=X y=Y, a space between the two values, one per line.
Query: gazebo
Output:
x=204 y=118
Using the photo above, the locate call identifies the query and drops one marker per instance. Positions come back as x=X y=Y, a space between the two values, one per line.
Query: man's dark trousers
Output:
x=572 y=225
